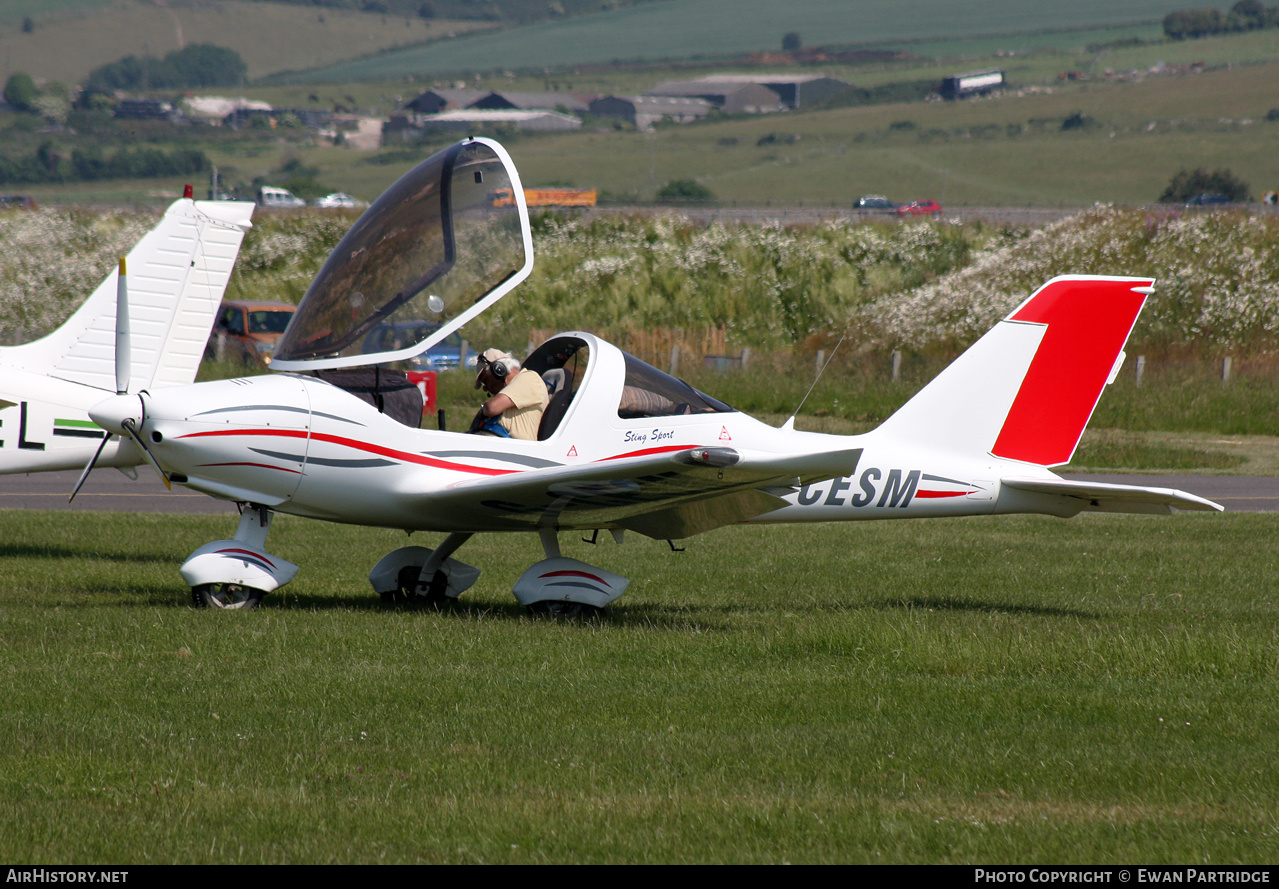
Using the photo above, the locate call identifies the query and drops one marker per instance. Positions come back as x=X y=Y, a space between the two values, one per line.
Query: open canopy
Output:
x=439 y=246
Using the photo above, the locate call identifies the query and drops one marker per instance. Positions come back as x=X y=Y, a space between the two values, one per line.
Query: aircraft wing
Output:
x=1104 y=497
x=668 y=494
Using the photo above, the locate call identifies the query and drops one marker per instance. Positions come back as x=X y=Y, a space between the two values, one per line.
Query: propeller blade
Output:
x=84 y=475
x=130 y=428
x=123 y=340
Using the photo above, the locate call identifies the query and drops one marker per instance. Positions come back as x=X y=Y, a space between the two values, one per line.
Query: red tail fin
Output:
x=1027 y=388
x=1088 y=321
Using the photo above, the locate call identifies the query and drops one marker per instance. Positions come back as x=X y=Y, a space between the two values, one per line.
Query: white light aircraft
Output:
x=622 y=445
x=176 y=274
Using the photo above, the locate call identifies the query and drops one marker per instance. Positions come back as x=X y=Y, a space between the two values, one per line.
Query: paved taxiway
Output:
x=111 y=491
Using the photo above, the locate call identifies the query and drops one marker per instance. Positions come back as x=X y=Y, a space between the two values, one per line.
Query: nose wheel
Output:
x=230 y=596
x=235 y=574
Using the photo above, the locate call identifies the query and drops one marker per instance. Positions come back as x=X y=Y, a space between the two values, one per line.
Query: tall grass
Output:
x=787 y=292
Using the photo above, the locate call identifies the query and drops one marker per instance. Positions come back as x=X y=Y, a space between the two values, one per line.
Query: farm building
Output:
x=498 y=101
x=435 y=101
x=976 y=83
x=794 y=90
x=644 y=111
x=408 y=126
x=730 y=96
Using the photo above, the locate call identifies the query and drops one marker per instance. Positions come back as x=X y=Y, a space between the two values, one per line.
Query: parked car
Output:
x=1208 y=200
x=875 y=202
x=17 y=201
x=246 y=330
x=278 y=198
x=444 y=355
x=337 y=200
x=920 y=208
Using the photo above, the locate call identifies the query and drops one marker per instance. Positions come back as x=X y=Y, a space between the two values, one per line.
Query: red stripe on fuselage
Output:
x=405 y=455
x=1088 y=324
x=925 y=495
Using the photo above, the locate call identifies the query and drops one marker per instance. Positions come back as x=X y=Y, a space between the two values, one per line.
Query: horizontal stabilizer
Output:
x=1103 y=497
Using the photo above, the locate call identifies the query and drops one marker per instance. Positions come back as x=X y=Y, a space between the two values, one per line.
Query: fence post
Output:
x=1141 y=368
x=746 y=358
x=897 y=365
x=1226 y=364
x=821 y=359
x=674 y=359
x=461 y=356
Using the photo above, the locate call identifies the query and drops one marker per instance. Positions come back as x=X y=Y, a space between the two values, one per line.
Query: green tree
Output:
x=1185 y=23
x=1188 y=183
x=791 y=42
x=684 y=191
x=198 y=65
x=1248 y=14
x=21 y=92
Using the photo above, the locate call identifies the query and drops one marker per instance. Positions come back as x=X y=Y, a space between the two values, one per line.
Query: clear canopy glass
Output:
x=439 y=246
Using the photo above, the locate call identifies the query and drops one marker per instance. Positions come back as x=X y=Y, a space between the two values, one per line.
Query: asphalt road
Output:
x=108 y=490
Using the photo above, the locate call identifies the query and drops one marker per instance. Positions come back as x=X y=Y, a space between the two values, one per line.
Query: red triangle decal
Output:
x=723 y=434
x=572 y=452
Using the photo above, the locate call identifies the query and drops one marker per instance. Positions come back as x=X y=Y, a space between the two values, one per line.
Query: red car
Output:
x=920 y=208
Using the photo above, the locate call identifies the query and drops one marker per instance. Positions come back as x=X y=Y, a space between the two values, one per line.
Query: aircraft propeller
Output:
x=123 y=375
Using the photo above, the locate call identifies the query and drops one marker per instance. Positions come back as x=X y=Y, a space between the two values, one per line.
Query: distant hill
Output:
x=691 y=29
x=72 y=37
x=519 y=12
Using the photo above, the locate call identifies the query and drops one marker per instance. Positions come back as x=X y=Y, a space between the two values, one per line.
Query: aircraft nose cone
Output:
x=111 y=413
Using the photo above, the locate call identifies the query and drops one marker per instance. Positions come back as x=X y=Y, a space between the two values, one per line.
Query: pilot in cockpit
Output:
x=517 y=397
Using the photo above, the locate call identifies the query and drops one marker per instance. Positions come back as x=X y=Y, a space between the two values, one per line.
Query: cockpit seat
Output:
x=554 y=413
x=555 y=378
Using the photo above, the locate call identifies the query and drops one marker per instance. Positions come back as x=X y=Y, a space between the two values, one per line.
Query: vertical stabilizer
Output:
x=177 y=274
x=1026 y=390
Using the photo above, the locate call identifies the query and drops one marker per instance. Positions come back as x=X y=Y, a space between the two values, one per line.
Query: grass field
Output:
x=692 y=29
x=1099 y=690
x=1009 y=151
x=72 y=38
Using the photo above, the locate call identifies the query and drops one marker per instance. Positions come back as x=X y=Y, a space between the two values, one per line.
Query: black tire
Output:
x=226 y=596
x=407 y=590
x=552 y=608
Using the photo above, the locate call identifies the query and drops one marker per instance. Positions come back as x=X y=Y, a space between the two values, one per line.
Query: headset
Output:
x=500 y=369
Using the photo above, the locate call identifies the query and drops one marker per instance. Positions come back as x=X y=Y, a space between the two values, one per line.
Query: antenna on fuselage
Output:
x=790 y=422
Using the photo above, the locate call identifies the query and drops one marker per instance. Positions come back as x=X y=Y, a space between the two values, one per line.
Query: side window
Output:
x=647 y=392
x=233 y=321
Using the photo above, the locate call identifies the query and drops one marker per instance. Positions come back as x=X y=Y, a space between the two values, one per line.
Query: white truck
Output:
x=270 y=197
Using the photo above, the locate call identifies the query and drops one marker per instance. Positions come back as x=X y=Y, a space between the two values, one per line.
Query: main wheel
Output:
x=553 y=608
x=226 y=595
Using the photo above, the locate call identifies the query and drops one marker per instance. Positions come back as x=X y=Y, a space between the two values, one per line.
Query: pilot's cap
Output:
x=492 y=356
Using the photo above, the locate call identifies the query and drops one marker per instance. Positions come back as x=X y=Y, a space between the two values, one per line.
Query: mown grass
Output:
x=1004 y=690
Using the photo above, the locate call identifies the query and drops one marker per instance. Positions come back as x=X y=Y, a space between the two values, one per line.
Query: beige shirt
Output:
x=528 y=392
